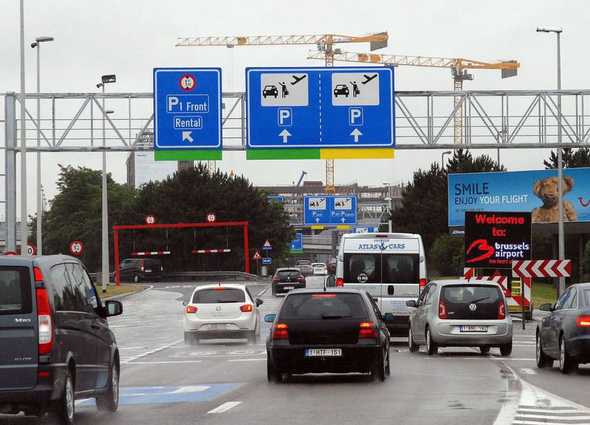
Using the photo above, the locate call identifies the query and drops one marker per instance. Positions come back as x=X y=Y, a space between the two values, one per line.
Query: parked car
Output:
x=564 y=335
x=287 y=279
x=319 y=269
x=306 y=269
x=337 y=331
x=221 y=311
x=56 y=342
x=141 y=269
x=456 y=314
x=270 y=90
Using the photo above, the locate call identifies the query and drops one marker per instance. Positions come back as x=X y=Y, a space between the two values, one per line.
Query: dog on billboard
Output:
x=548 y=191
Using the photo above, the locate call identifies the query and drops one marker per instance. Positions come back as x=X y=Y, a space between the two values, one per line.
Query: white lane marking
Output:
x=527 y=371
x=225 y=407
x=545 y=422
x=191 y=389
x=162 y=362
x=132 y=348
x=510 y=359
x=155 y=350
x=247 y=360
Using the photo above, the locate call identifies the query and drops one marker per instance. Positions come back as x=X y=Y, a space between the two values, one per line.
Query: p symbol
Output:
x=285 y=117
x=172 y=102
x=355 y=116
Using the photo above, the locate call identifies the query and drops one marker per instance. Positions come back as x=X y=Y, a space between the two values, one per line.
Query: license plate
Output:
x=323 y=352
x=471 y=328
x=148 y=270
x=215 y=327
x=288 y=288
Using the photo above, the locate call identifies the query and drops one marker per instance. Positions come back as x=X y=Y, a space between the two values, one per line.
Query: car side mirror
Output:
x=269 y=318
x=184 y=303
x=259 y=302
x=546 y=307
x=412 y=303
x=113 y=308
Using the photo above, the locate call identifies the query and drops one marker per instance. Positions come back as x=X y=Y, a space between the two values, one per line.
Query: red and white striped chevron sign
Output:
x=542 y=268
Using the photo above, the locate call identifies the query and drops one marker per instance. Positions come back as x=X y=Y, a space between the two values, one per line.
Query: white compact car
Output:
x=319 y=269
x=221 y=311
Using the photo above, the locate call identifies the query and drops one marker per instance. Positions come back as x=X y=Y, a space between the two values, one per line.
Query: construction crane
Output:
x=303 y=173
x=458 y=66
x=324 y=42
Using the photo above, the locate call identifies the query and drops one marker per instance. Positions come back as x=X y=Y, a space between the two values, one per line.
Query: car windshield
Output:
x=323 y=305
x=15 y=290
x=219 y=296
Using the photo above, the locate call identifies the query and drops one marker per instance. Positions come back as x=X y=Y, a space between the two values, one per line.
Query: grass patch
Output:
x=543 y=293
x=113 y=290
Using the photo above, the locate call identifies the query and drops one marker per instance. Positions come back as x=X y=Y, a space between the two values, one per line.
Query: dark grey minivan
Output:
x=55 y=343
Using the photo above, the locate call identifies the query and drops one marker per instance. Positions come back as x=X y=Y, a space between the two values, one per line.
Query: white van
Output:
x=391 y=267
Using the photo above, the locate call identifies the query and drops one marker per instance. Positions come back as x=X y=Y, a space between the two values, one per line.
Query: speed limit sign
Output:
x=76 y=248
x=150 y=219
x=210 y=217
x=31 y=250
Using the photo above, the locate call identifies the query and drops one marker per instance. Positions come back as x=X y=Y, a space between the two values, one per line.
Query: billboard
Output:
x=525 y=191
x=495 y=239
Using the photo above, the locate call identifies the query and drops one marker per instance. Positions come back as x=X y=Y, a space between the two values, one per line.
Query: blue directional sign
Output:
x=320 y=107
x=329 y=210
x=187 y=108
x=266 y=261
x=297 y=243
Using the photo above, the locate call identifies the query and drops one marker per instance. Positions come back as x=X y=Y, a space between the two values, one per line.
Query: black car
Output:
x=564 y=335
x=141 y=269
x=56 y=343
x=287 y=279
x=336 y=331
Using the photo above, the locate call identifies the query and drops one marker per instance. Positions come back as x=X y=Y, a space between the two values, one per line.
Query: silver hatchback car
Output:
x=460 y=314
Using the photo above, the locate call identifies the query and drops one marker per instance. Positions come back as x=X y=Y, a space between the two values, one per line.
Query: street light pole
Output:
x=24 y=228
x=37 y=45
x=105 y=79
x=442 y=159
x=389 y=200
x=560 y=226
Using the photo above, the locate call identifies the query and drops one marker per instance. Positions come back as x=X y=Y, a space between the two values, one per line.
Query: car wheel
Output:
x=484 y=350
x=567 y=363
x=136 y=278
x=506 y=349
x=65 y=406
x=411 y=343
x=109 y=401
x=543 y=360
x=388 y=364
x=380 y=368
x=431 y=346
x=271 y=373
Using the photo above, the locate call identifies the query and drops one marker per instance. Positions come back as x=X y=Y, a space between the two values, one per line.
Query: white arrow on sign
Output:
x=317 y=219
x=356 y=133
x=186 y=136
x=285 y=135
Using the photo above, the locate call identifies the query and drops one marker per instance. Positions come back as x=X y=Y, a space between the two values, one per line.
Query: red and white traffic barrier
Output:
x=211 y=251
x=542 y=268
x=149 y=253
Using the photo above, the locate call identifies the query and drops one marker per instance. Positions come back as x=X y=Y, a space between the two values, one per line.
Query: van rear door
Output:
x=401 y=281
x=18 y=329
x=362 y=270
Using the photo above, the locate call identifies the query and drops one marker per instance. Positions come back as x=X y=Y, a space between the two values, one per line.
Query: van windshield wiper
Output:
x=334 y=316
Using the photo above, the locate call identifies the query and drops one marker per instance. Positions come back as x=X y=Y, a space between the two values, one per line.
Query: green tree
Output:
x=75 y=213
x=571 y=158
x=447 y=255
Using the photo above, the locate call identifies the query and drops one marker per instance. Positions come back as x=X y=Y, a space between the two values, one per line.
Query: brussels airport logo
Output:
x=187 y=82
x=481 y=249
x=381 y=246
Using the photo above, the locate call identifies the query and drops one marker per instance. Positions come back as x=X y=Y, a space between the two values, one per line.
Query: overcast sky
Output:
x=131 y=37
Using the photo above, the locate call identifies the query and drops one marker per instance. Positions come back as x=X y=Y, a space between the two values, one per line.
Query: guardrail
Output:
x=201 y=276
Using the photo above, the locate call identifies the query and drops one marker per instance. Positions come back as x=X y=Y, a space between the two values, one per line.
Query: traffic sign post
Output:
x=329 y=210
x=267 y=246
x=187 y=113
x=31 y=250
x=297 y=244
x=76 y=248
x=150 y=219
x=336 y=107
x=266 y=261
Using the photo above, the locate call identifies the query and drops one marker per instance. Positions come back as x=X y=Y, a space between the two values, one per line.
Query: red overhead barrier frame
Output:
x=118 y=228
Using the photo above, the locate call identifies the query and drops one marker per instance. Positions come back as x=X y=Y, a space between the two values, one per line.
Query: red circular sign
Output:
x=76 y=248
x=210 y=217
x=187 y=82
x=31 y=250
x=150 y=219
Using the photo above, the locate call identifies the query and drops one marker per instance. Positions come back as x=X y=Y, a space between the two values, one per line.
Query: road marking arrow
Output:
x=284 y=134
x=356 y=133
x=186 y=136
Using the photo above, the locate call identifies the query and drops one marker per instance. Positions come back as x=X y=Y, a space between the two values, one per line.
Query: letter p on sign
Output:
x=285 y=117
x=355 y=116
x=172 y=102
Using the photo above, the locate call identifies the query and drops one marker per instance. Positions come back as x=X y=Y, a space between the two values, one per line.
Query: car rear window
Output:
x=15 y=290
x=381 y=268
x=324 y=305
x=471 y=301
x=219 y=295
x=293 y=274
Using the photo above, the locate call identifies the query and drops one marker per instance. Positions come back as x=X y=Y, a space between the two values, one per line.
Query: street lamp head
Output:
x=110 y=78
x=43 y=39
x=99 y=85
x=548 y=29
x=109 y=111
x=447 y=152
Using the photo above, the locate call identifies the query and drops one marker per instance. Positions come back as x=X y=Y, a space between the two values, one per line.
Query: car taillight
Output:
x=442 y=310
x=141 y=265
x=191 y=309
x=280 y=332
x=246 y=308
x=583 y=321
x=367 y=330
x=301 y=279
x=275 y=279
x=423 y=283
x=43 y=314
x=501 y=311
x=339 y=282
x=161 y=268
